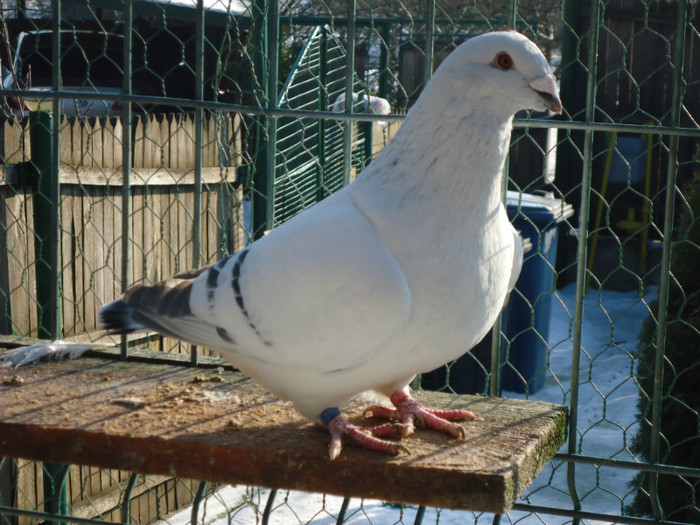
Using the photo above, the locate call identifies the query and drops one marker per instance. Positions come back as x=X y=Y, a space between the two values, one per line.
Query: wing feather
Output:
x=321 y=292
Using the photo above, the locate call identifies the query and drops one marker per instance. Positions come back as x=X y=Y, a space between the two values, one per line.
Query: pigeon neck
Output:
x=457 y=159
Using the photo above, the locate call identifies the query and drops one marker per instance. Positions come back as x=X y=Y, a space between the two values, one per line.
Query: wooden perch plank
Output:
x=219 y=426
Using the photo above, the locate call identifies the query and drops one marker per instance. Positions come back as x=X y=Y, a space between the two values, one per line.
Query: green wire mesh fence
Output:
x=141 y=138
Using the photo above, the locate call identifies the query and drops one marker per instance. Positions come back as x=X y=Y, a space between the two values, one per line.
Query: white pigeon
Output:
x=398 y=273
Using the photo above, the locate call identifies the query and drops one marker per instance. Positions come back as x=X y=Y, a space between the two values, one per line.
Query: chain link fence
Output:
x=142 y=138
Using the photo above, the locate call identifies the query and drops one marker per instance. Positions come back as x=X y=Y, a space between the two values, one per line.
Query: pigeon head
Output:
x=502 y=70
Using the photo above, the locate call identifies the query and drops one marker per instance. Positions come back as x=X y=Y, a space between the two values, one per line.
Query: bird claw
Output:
x=366 y=437
x=387 y=429
x=410 y=413
x=380 y=412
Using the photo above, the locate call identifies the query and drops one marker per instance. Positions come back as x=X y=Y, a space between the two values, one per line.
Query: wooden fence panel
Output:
x=69 y=299
x=19 y=259
x=162 y=207
x=30 y=489
x=15 y=141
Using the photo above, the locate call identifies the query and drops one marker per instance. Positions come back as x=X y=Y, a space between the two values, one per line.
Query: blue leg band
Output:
x=329 y=414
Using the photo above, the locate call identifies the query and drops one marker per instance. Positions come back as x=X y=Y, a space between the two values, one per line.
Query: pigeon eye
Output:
x=504 y=61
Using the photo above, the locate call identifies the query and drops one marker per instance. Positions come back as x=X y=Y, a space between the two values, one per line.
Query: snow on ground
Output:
x=606 y=423
x=607 y=419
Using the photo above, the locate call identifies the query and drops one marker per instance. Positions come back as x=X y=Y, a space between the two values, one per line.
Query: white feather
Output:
x=26 y=355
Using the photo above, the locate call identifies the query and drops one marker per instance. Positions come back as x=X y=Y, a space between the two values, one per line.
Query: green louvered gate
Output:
x=309 y=159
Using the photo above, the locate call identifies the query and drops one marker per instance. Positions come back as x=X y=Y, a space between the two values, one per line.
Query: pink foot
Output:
x=410 y=412
x=365 y=437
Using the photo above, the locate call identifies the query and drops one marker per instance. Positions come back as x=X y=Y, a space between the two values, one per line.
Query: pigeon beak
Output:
x=546 y=87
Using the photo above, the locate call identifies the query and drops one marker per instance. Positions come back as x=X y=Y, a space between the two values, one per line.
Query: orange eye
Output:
x=504 y=61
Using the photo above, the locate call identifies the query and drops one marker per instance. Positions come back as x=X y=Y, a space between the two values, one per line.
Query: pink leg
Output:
x=408 y=411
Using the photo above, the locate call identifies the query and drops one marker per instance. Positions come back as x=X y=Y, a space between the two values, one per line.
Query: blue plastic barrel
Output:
x=538 y=218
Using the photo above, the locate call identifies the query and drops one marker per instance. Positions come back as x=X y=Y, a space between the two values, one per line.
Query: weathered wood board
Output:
x=216 y=425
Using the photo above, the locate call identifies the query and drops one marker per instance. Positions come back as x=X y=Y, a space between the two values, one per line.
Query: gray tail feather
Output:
x=157 y=307
x=118 y=317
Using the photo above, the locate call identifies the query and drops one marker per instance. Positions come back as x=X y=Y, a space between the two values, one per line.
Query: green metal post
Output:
x=55 y=494
x=126 y=500
x=198 y=137
x=567 y=178
x=665 y=278
x=45 y=136
x=269 y=507
x=45 y=224
x=348 y=125
x=127 y=118
x=198 y=146
x=367 y=130
x=384 y=61
x=513 y=15
x=264 y=47
x=495 y=379
x=581 y=255
x=273 y=50
x=258 y=176
x=199 y=496
x=429 y=63
x=321 y=124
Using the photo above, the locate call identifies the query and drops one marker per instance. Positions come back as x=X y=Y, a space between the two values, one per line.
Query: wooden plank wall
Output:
x=17 y=280
x=161 y=211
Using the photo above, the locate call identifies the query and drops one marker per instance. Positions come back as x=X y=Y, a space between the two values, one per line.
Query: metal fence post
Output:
x=429 y=49
x=665 y=279
x=566 y=154
x=323 y=104
x=199 y=132
x=265 y=60
x=273 y=43
x=199 y=144
x=582 y=250
x=55 y=495
x=384 y=60
x=348 y=125
x=45 y=198
x=127 y=136
x=44 y=134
